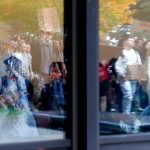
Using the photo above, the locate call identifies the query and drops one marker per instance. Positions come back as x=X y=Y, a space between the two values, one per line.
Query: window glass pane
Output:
x=32 y=70
x=124 y=68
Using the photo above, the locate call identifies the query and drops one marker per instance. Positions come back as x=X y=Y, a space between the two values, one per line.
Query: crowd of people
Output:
x=121 y=88
x=44 y=88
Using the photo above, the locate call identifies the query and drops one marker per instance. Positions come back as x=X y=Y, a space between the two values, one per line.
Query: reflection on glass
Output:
x=124 y=67
x=32 y=70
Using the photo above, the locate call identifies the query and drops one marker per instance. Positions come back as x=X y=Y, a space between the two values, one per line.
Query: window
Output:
x=124 y=67
x=33 y=71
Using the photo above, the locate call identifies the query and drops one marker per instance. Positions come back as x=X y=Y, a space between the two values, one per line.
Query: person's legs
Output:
x=55 y=95
x=103 y=95
x=136 y=97
x=61 y=93
x=103 y=103
x=109 y=99
x=61 y=103
x=118 y=97
x=127 y=96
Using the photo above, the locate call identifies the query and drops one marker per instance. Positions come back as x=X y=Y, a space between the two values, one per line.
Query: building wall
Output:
x=108 y=52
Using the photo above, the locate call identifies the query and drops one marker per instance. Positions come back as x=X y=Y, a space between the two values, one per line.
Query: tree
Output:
x=114 y=12
x=22 y=14
x=142 y=10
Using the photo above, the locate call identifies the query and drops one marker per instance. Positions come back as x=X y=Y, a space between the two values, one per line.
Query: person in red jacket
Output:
x=104 y=84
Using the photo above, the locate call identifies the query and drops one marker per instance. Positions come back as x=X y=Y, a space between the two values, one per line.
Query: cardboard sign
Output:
x=137 y=72
x=48 y=19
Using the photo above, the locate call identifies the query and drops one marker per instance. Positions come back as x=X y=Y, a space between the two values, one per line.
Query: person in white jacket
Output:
x=128 y=87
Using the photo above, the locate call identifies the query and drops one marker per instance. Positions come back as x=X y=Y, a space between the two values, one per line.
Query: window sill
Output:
x=122 y=139
x=53 y=144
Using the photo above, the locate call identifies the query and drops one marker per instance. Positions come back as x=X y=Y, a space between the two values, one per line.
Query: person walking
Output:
x=128 y=86
x=104 y=84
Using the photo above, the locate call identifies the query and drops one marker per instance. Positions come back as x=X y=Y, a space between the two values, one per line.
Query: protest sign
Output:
x=49 y=20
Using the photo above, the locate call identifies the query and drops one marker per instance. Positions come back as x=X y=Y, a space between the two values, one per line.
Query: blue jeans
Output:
x=137 y=99
x=58 y=92
x=128 y=89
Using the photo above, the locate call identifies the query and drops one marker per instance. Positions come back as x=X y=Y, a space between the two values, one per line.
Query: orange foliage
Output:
x=113 y=12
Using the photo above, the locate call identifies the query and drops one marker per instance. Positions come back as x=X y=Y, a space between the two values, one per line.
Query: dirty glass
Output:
x=32 y=71
x=124 y=66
